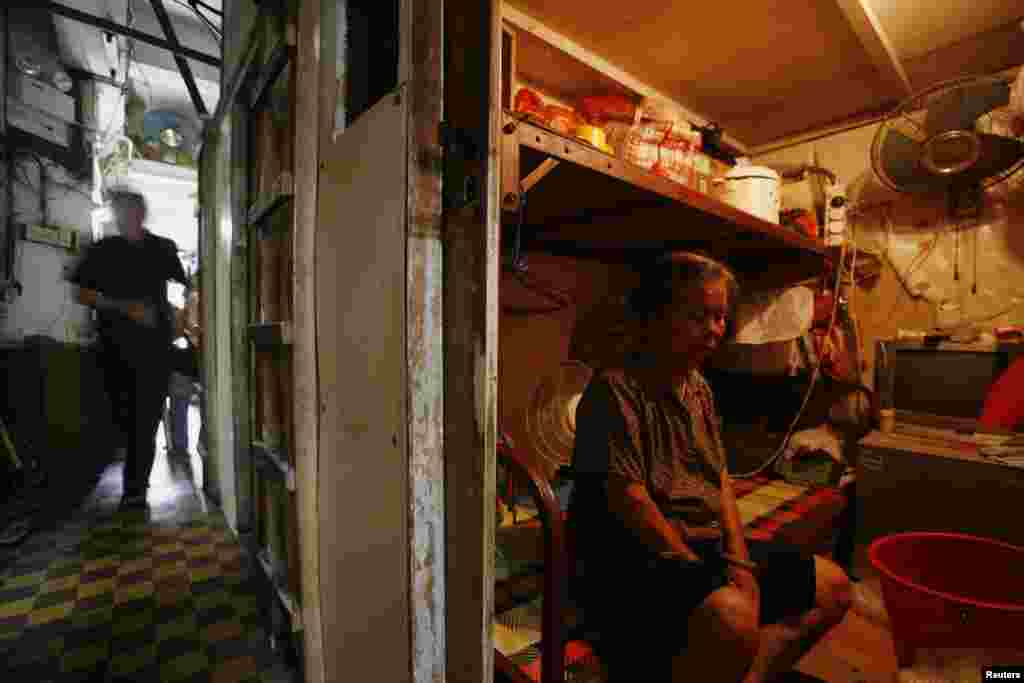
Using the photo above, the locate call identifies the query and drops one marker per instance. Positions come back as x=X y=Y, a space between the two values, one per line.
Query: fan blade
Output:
x=962 y=106
x=998 y=154
x=901 y=161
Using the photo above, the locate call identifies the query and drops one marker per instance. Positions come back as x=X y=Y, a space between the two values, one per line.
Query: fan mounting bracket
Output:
x=965 y=201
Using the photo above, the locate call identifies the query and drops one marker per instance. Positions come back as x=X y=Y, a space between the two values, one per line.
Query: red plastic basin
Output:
x=951 y=590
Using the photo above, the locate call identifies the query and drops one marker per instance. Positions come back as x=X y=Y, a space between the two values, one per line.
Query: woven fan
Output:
x=551 y=418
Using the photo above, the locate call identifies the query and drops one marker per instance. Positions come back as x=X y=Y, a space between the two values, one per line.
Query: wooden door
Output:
x=421 y=495
x=363 y=487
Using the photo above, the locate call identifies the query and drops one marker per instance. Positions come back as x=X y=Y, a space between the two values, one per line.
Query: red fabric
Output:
x=1004 y=405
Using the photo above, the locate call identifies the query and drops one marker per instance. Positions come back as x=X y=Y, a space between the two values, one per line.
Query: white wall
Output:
x=46 y=304
x=900 y=227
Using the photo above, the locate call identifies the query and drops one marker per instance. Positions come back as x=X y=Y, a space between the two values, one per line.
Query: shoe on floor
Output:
x=15 y=531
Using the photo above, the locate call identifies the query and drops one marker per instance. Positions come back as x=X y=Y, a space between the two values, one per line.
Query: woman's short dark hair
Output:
x=662 y=281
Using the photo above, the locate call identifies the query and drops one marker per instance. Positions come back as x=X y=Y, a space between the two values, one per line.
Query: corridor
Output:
x=162 y=595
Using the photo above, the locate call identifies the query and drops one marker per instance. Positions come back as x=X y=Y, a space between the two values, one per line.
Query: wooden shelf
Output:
x=593 y=205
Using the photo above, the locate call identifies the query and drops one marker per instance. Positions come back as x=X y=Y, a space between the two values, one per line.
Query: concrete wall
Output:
x=901 y=229
x=45 y=305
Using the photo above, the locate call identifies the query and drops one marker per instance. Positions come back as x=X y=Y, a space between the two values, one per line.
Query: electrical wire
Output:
x=815 y=374
x=850 y=311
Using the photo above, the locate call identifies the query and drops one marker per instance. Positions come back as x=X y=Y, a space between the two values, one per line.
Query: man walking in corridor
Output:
x=124 y=278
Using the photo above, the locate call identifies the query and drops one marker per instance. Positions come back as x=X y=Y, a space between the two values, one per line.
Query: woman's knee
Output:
x=731 y=618
x=833 y=587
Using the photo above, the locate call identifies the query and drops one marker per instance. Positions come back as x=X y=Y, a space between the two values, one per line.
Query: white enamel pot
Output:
x=754 y=189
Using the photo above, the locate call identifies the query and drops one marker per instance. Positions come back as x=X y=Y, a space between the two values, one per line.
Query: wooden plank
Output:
x=537 y=174
x=304 y=406
x=241 y=312
x=273 y=428
x=472 y=32
x=876 y=43
x=286 y=149
x=509 y=64
x=421 y=57
x=360 y=262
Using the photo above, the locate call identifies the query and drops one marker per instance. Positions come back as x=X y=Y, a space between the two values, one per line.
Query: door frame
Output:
x=452 y=337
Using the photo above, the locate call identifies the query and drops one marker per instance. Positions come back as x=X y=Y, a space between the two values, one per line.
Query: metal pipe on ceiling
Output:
x=183 y=68
x=208 y=8
x=119 y=29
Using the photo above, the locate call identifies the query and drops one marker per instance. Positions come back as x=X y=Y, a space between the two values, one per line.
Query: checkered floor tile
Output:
x=165 y=595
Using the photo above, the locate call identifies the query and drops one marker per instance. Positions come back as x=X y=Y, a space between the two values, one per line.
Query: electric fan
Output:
x=944 y=141
x=551 y=417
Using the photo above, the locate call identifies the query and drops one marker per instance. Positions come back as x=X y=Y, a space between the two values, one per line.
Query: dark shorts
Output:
x=646 y=614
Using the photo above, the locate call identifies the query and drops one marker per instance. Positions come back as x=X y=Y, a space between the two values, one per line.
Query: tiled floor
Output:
x=161 y=595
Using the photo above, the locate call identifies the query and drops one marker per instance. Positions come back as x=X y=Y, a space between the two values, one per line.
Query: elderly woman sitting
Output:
x=667 y=576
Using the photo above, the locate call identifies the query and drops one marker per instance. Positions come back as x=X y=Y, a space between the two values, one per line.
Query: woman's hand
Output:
x=746 y=582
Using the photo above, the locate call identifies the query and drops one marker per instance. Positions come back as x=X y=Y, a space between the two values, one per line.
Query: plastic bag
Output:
x=600 y=109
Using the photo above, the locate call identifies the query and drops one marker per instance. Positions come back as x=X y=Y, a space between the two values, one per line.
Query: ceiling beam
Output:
x=183 y=67
x=872 y=36
x=119 y=29
x=208 y=8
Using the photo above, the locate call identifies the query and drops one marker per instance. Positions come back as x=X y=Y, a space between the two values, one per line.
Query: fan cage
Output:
x=916 y=105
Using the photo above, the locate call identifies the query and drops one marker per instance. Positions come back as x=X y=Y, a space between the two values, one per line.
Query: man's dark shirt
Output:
x=129 y=270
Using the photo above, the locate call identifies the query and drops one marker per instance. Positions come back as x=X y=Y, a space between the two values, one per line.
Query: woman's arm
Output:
x=631 y=503
x=732 y=524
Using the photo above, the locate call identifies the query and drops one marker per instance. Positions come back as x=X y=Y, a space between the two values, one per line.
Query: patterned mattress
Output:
x=770 y=509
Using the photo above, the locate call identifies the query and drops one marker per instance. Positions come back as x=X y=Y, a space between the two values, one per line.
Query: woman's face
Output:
x=695 y=324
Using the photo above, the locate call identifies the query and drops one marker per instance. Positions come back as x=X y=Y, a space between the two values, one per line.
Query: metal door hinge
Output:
x=462 y=156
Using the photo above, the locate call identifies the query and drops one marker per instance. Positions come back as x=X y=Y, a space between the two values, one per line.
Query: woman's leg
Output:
x=722 y=639
x=784 y=643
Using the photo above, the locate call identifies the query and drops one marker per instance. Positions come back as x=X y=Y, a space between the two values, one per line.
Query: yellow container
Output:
x=594 y=136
